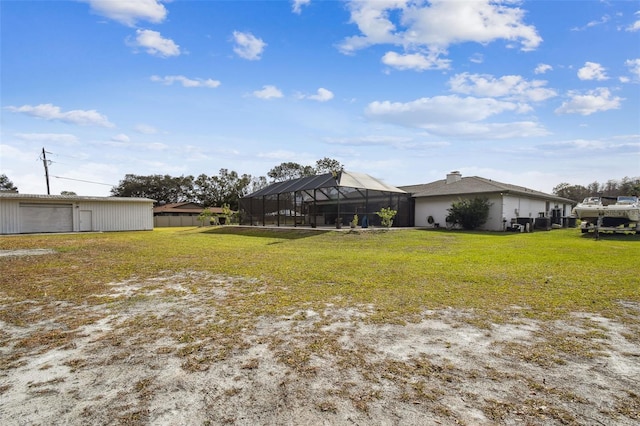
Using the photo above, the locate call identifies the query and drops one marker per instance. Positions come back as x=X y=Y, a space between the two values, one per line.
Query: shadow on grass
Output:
x=604 y=235
x=469 y=232
x=611 y=236
x=281 y=233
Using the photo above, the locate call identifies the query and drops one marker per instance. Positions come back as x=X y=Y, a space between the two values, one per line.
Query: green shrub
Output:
x=386 y=216
x=469 y=213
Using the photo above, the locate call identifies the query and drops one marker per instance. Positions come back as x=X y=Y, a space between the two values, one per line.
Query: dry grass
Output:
x=296 y=304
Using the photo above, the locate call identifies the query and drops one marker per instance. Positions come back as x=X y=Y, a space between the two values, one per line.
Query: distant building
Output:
x=509 y=203
x=28 y=213
x=180 y=214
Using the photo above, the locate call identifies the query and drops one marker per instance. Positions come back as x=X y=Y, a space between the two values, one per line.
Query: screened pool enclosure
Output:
x=326 y=200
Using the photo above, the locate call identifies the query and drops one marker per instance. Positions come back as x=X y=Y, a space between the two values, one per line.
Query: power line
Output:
x=87 y=181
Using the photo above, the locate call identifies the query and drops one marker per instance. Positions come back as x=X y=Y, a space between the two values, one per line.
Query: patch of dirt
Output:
x=26 y=252
x=166 y=351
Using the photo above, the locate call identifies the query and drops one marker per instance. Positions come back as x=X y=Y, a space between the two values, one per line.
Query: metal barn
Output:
x=26 y=213
x=330 y=199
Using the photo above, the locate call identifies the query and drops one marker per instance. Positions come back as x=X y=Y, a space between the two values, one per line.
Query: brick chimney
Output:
x=454 y=176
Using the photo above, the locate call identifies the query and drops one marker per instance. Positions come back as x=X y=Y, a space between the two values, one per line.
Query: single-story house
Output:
x=510 y=204
x=28 y=213
x=180 y=214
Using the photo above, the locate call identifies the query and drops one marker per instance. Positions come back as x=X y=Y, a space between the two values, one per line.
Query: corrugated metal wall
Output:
x=105 y=215
x=46 y=217
x=9 y=217
x=119 y=216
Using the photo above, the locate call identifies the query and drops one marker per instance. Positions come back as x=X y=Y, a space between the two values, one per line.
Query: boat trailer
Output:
x=596 y=228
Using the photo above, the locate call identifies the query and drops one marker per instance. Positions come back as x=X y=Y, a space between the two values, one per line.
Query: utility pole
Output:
x=46 y=163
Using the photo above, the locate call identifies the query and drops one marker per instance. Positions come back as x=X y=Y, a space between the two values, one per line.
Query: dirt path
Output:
x=166 y=352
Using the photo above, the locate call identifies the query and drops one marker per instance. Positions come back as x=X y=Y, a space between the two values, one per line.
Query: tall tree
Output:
x=203 y=191
x=6 y=184
x=225 y=188
x=162 y=188
x=230 y=187
x=576 y=193
x=594 y=188
x=256 y=184
x=290 y=170
x=630 y=186
x=328 y=165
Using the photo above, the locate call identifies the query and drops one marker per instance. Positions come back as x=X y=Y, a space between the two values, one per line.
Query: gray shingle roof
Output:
x=474 y=185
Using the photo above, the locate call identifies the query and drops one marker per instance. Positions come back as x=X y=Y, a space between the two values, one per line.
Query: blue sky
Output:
x=532 y=93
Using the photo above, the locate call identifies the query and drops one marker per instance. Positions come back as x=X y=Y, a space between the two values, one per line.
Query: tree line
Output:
x=612 y=188
x=225 y=188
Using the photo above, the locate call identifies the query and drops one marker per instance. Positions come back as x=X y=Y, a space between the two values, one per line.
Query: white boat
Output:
x=626 y=210
x=589 y=209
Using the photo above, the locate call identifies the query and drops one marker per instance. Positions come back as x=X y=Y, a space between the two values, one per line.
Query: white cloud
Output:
x=634 y=68
x=438 y=24
x=542 y=68
x=296 y=6
x=121 y=138
x=52 y=112
x=603 y=20
x=130 y=11
x=622 y=143
x=475 y=131
x=508 y=86
x=455 y=116
x=268 y=92
x=248 y=46
x=146 y=129
x=186 y=82
x=323 y=95
x=155 y=44
x=635 y=26
x=58 y=138
x=398 y=142
x=415 y=61
x=477 y=58
x=592 y=71
x=586 y=104
x=279 y=155
x=425 y=112
x=155 y=146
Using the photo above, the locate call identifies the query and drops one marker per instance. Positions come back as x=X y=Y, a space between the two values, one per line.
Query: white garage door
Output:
x=46 y=218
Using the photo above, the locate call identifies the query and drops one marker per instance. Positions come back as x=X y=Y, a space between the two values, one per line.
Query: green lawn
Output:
x=396 y=274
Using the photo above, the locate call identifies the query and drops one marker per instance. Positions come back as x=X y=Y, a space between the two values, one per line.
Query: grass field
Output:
x=400 y=272
x=395 y=278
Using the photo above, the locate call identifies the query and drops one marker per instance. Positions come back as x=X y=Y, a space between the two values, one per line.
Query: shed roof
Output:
x=70 y=198
x=474 y=185
x=327 y=180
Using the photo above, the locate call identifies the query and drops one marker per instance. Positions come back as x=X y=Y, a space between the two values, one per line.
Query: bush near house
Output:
x=469 y=213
